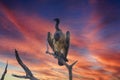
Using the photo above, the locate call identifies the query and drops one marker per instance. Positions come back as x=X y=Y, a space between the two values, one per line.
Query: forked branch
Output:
x=29 y=74
x=69 y=67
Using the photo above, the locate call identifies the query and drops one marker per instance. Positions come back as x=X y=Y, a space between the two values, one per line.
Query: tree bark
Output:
x=69 y=67
x=70 y=73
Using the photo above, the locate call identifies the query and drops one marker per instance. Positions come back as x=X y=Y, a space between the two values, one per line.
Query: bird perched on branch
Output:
x=59 y=42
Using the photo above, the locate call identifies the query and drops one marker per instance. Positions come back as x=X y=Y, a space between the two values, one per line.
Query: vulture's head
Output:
x=57 y=20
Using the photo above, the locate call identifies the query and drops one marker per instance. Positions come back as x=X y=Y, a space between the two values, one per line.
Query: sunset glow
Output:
x=94 y=26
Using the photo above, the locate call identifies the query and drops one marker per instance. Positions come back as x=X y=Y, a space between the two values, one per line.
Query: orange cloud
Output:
x=97 y=62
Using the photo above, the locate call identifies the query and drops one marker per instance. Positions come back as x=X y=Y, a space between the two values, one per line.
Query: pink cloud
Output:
x=33 y=46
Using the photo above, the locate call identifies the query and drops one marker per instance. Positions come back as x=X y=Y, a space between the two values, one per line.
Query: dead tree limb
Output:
x=4 y=73
x=29 y=74
x=69 y=67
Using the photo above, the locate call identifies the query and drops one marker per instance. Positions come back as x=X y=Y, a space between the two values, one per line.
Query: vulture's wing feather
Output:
x=67 y=43
x=50 y=41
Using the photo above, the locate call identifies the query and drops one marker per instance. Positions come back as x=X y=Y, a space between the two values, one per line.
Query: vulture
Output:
x=59 y=42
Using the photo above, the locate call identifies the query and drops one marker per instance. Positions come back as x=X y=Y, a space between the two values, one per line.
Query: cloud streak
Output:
x=95 y=45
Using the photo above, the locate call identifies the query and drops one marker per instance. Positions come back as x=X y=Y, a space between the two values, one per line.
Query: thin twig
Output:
x=5 y=72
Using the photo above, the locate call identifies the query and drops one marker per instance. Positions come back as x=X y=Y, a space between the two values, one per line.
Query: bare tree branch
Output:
x=29 y=74
x=20 y=76
x=73 y=63
x=4 y=73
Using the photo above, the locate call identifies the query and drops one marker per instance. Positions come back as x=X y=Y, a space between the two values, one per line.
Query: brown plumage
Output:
x=59 y=42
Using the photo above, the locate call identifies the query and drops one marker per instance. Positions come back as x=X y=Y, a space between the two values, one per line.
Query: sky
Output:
x=94 y=27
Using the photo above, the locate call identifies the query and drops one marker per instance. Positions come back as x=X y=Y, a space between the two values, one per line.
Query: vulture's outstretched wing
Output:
x=50 y=40
x=4 y=73
x=67 y=43
x=26 y=69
